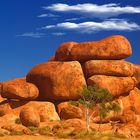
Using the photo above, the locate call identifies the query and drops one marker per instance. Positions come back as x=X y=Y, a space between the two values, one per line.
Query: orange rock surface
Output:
x=108 y=67
x=137 y=74
x=19 y=89
x=115 y=85
x=29 y=117
x=46 y=110
x=58 y=80
x=113 y=47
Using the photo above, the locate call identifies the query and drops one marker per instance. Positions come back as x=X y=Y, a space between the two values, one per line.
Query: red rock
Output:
x=128 y=130
x=108 y=67
x=129 y=109
x=137 y=74
x=58 y=80
x=46 y=110
x=19 y=89
x=17 y=128
x=29 y=117
x=8 y=119
x=113 y=47
x=68 y=111
x=116 y=85
x=52 y=58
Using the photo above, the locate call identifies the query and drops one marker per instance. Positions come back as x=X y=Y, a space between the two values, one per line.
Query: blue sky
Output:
x=32 y=30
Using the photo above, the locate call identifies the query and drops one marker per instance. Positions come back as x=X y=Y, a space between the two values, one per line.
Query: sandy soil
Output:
x=26 y=137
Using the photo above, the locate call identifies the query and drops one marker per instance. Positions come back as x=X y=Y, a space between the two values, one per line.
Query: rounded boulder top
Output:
x=111 y=48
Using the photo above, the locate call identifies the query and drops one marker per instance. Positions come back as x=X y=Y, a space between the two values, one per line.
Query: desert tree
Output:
x=93 y=96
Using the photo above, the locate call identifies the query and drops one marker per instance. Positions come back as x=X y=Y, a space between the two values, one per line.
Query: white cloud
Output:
x=91 y=27
x=33 y=35
x=58 y=34
x=48 y=15
x=94 y=10
x=72 y=19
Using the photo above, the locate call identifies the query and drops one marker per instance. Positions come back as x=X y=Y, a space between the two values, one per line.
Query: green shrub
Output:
x=33 y=129
x=18 y=121
x=45 y=130
x=16 y=133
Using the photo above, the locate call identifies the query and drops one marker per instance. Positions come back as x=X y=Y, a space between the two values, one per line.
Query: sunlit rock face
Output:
x=58 y=80
x=113 y=47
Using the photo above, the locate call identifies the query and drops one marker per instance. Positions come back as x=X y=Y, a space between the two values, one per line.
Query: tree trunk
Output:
x=87 y=120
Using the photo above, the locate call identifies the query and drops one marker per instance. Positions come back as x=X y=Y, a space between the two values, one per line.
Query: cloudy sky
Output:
x=32 y=30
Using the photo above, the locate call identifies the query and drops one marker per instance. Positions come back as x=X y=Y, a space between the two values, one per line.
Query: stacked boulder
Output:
x=103 y=65
x=63 y=77
x=19 y=101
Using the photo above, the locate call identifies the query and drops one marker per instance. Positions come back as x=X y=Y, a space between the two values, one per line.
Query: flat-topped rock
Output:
x=19 y=89
x=58 y=80
x=108 y=67
x=113 y=47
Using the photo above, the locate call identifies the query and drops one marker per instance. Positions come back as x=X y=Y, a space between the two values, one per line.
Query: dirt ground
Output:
x=26 y=137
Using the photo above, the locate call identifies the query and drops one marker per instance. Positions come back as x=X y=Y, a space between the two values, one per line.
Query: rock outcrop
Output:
x=19 y=89
x=46 y=110
x=113 y=47
x=116 y=85
x=58 y=81
x=61 y=79
x=29 y=117
x=137 y=74
x=108 y=67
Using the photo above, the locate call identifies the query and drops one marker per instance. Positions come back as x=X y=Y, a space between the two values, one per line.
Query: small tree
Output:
x=94 y=96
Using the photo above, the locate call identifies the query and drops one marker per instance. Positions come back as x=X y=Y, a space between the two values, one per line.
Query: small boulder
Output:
x=29 y=117
x=113 y=47
x=68 y=111
x=116 y=85
x=108 y=67
x=58 y=81
x=19 y=89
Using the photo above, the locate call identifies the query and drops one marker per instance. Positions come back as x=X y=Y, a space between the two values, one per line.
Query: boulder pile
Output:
x=75 y=65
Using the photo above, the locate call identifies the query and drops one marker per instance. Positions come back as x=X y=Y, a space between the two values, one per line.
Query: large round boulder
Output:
x=108 y=67
x=58 y=80
x=19 y=89
x=29 y=117
x=116 y=85
x=113 y=47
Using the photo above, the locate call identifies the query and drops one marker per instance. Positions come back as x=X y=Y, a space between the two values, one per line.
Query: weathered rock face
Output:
x=29 y=117
x=137 y=74
x=58 y=80
x=17 y=128
x=129 y=109
x=116 y=85
x=135 y=100
x=113 y=47
x=108 y=67
x=46 y=110
x=19 y=89
x=129 y=130
x=68 y=111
